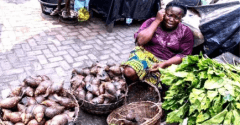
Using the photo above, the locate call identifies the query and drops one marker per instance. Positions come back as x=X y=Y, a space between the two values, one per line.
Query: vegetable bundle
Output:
x=202 y=91
x=98 y=84
x=38 y=101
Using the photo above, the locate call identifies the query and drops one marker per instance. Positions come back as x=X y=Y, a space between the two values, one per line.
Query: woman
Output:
x=161 y=42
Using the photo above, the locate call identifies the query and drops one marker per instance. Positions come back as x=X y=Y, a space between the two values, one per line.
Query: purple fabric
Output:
x=166 y=45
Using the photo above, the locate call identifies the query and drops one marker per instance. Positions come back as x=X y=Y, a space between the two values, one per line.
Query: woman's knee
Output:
x=129 y=72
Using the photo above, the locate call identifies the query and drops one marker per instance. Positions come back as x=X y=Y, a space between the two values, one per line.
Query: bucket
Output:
x=50 y=5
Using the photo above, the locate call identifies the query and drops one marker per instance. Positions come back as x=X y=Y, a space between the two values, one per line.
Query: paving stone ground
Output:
x=32 y=43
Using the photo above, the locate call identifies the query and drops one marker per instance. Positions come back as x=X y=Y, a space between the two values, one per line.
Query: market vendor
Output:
x=161 y=42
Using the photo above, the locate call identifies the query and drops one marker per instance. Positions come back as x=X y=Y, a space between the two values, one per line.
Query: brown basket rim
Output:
x=147 y=122
x=144 y=81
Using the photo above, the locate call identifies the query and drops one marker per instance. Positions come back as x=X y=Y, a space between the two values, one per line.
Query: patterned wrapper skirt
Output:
x=141 y=61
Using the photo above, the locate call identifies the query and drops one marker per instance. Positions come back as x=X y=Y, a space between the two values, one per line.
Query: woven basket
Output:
x=147 y=113
x=101 y=109
x=142 y=91
x=69 y=95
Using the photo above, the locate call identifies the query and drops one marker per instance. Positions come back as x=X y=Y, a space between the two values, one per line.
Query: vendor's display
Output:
x=144 y=113
x=99 y=88
x=39 y=101
x=202 y=91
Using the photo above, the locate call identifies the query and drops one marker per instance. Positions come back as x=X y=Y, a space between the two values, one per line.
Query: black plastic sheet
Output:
x=220 y=26
x=116 y=9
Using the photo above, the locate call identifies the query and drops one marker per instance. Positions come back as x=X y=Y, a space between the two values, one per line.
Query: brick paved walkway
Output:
x=33 y=43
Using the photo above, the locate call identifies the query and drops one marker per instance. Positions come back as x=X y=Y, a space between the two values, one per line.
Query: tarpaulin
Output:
x=220 y=26
x=116 y=9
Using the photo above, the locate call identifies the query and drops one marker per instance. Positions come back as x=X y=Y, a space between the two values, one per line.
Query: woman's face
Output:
x=172 y=17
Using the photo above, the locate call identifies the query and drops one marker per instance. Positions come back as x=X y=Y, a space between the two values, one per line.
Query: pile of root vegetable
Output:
x=38 y=101
x=202 y=91
x=98 y=84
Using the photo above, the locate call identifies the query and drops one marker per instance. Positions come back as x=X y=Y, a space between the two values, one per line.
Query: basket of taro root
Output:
x=100 y=88
x=142 y=106
x=39 y=101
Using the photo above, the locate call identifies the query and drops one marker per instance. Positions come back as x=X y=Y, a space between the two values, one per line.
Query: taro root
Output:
x=98 y=100
x=88 y=79
x=21 y=108
x=89 y=96
x=29 y=91
x=109 y=96
x=19 y=123
x=64 y=101
x=48 y=122
x=9 y=102
x=45 y=78
x=96 y=81
x=81 y=94
x=38 y=112
x=102 y=88
x=41 y=89
x=29 y=113
x=60 y=119
x=39 y=99
x=49 y=103
x=14 y=117
x=30 y=81
x=16 y=91
x=55 y=88
x=6 y=114
x=115 y=70
x=33 y=122
x=93 y=89
x=94 y=70
x=106 y=101
x=76 y=81
x=28 y=101
x=110 y=88
x=8 y=123
x=86 y=72
x=102 y=75
x=52 y=111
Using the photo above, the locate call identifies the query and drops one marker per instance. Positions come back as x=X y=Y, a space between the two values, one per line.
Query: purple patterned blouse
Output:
x=166 y=45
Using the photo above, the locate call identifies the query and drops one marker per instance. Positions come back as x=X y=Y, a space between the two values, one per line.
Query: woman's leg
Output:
x=130 y=75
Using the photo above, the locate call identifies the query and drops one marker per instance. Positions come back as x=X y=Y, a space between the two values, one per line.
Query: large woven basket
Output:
x=148 y=113
x=142 y=91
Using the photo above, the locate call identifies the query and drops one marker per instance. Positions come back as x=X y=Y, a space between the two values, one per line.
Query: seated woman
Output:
x=161 y=42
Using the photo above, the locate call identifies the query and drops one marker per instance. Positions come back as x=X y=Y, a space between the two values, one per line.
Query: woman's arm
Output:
x=165 y=64
x=146 y=35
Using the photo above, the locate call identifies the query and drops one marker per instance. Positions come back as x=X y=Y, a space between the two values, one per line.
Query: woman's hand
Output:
x=160 y=15
x=156 y=66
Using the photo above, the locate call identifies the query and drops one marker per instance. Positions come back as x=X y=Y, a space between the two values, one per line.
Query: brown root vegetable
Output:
x=49 y=103
x=93 y=89
x=115 y=70
x=55 y=88
x=41 y=89
x=45 y=78
x=76 y=81
x=96 y=81
x=102 y=88
x=98 y=100
x=110 y=88
x=64 y=101
x=30 y=81
x=48 y=122
x=29 y=91
x=15 y=117
x=16 y=91
x=19 y=123
x=88 y=79
x=89 y=96
x=86 y=72
x=39 y=99
x=28 y=101
x=9 y=102
x=29 y=113
x=102 y=75
x=110 y=97
x=21 y=108
x=81 y=94
x=70 y=114
x=33 y=122
x=50 y=112
x=7 y=123
x=38 y=112
x=6 y=114
x=116 y=78
x=106 y=101
x=61 y=119
x=94 y=70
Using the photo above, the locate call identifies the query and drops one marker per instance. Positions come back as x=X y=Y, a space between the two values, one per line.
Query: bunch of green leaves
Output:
x=203 y=91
